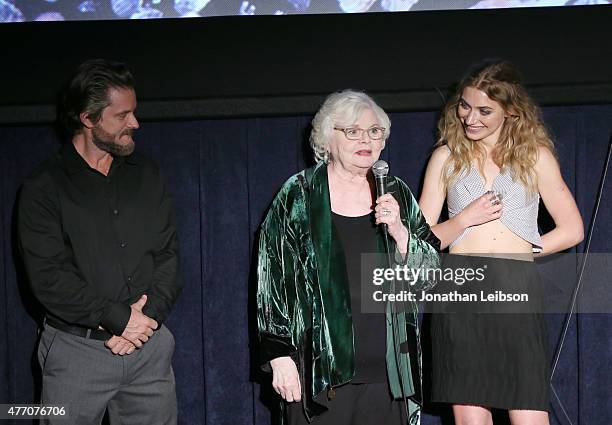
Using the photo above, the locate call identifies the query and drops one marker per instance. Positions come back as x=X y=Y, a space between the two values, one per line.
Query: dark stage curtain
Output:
x=223 y=175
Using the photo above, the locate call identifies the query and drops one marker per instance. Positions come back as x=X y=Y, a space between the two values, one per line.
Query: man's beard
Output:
x=106 y=142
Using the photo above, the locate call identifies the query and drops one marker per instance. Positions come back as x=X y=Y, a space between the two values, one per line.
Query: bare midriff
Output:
x=493 y=239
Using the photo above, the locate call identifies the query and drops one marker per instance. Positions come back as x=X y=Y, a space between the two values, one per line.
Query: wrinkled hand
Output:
x=120 y=345
x=285 y=378
x=481 y=210
x=387 y=211
x=140 y=327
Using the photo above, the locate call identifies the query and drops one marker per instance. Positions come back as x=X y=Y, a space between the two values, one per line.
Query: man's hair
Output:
x=87 y=91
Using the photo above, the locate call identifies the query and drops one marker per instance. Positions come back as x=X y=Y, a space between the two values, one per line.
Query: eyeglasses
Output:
x=356 y=133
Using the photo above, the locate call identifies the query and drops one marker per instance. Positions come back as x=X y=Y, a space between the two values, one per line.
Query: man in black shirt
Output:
x=98 y=239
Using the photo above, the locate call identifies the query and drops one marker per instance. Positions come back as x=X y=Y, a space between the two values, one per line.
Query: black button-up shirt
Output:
x=93 y=244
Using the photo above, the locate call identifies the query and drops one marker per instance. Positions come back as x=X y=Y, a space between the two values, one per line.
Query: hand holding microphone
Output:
x=387 y=210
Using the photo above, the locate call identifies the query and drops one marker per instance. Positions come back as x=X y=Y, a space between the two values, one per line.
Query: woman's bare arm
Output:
x=432 y=199
x=569 y=229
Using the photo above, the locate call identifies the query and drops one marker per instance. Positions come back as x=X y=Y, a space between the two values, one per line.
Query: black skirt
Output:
x=492 y=354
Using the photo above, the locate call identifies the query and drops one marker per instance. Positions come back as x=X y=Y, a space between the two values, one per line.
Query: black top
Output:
x=93 y=244
x=358 y=236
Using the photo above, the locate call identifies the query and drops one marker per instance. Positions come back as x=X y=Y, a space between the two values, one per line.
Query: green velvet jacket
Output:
x=303 y=298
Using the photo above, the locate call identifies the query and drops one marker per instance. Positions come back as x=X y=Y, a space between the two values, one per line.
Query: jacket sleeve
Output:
x=49 y=264
x=274 y=268
x=166 y=285
x=423 y=245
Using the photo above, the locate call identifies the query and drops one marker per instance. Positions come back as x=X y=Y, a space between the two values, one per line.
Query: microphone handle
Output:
x=381 y=189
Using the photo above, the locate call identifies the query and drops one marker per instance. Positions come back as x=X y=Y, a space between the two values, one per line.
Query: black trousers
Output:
x=355 y=404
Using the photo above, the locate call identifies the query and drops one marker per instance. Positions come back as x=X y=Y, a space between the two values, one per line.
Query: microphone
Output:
x=380 y=170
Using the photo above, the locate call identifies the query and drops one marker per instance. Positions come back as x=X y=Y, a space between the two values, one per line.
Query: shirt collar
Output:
x=75 y=163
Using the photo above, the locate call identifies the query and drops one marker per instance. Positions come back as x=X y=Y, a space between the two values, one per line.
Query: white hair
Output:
x=342 y=109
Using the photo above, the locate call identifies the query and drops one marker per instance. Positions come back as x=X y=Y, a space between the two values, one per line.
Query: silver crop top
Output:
x=520 y=213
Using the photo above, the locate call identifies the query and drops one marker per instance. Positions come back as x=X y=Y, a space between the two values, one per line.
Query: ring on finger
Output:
x=385 y=212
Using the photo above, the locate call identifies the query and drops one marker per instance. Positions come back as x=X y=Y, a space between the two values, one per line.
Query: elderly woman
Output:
x=493 y=163
x=328 y=358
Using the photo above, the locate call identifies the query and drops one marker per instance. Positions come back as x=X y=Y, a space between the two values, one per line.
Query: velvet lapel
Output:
x=385 y=246
x=402 y=352
x=333 y=280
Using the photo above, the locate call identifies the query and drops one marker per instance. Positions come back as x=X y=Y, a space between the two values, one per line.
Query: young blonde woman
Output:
x=493 y=163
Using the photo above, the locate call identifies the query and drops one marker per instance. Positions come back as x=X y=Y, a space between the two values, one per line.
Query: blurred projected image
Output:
x=59 y=10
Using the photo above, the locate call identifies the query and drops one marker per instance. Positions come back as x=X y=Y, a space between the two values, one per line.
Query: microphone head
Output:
x=380 y=168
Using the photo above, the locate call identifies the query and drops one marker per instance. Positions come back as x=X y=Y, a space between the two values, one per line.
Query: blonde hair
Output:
x=522 y=133
x=342 y=109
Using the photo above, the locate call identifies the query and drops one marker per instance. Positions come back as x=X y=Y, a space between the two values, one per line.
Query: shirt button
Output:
x=129 y=278
x=123 y=244
x=115 y=212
